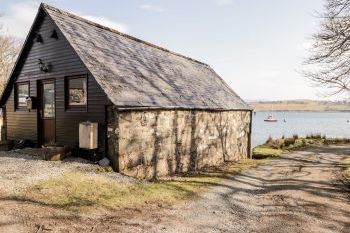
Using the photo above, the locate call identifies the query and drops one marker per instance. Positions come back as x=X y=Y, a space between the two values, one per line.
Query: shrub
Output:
x=289 y=141
x=336 y=141
x=269 y=140
x=277 y=144
x=314 y=136
x=295 y=136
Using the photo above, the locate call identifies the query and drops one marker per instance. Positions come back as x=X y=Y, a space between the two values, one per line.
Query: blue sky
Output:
x=257 y=46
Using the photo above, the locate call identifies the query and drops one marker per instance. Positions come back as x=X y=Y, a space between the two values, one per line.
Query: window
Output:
x=21 y=94
x=76 y=92
x=49 y=100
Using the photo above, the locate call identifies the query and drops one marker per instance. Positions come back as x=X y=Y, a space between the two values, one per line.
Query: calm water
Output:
x=332 y=124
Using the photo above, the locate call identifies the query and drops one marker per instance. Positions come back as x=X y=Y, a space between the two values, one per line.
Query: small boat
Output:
x=270 y=119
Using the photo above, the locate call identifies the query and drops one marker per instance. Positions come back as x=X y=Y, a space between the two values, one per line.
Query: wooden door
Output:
x=46 y=112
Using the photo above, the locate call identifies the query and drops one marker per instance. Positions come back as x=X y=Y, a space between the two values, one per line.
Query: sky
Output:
x=256 y=46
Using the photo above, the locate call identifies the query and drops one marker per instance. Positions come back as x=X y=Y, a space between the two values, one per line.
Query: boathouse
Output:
x=158 y=113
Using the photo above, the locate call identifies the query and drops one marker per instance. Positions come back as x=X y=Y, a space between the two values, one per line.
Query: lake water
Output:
x=331 y=124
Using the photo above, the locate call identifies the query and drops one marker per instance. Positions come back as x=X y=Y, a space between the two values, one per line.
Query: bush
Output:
x=329 y=141
x=295 y=136
x=289 y=141
x=269 y=140
x=314 y=136
x=277 y=144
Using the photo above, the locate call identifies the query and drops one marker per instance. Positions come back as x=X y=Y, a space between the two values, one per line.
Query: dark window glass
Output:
x=22 y=92
x=77 y=94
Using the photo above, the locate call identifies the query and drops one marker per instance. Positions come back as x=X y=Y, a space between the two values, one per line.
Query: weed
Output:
x=345 y=164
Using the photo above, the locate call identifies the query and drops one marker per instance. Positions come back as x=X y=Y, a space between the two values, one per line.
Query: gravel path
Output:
x=19 y=170
x=301 y=192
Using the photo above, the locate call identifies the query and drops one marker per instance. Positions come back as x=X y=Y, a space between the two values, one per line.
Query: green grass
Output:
x=264 y=152
x=345 y=164
x=294 y=143
x=275 y=147
x=84 y=192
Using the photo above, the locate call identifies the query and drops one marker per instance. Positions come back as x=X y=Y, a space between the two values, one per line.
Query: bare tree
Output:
x=329 y=62
x=9 y=49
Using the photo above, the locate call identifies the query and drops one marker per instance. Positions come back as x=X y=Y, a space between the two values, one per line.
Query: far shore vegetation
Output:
x=301 y=105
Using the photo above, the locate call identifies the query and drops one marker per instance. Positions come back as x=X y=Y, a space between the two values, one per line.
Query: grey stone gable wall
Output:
x=160 y=143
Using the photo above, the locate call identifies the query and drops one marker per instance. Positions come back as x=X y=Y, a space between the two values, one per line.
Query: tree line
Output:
x=9 y=49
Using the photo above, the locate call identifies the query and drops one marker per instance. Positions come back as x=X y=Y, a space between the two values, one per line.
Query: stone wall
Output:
x=158 y=143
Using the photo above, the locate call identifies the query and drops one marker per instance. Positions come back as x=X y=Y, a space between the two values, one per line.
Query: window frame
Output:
x=16 y=99
x=68 y=107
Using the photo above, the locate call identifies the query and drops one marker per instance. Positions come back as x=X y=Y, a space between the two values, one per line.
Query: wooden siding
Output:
x=23 y=124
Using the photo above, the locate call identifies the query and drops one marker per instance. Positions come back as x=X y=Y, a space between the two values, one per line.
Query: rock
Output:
x=104 y=162
x=53 y=153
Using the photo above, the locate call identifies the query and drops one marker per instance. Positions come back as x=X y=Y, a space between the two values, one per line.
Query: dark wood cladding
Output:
x=23 y=124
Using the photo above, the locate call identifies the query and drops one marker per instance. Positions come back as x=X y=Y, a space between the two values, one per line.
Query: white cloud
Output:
x=18 y=18
x=223 y=2
x=106 y=22
x=148 y=7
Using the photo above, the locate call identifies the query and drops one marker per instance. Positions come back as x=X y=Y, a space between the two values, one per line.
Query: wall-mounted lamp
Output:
x=43 y=66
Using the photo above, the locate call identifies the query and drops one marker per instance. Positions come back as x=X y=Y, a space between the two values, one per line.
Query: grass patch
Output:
x=295 y=142
x=275 y=147
x=83 y=192
x=264 y=152
x=345 y=164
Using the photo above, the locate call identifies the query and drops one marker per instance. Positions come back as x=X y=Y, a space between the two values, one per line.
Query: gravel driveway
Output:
x=18 y=170
x=301 y=192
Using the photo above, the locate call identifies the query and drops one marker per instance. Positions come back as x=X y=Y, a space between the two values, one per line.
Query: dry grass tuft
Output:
x=345 y=164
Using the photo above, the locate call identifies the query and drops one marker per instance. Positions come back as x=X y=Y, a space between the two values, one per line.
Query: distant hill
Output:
x=301 y=105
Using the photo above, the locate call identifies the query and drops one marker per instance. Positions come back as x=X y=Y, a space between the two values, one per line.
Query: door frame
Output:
x=40 y=127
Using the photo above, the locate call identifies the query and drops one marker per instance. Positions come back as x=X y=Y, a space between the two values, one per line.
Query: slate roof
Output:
x=134 y=73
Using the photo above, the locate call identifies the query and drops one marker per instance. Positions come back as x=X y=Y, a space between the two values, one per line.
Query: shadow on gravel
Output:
x=295 y=193
x=295 y=188
x=299 y=192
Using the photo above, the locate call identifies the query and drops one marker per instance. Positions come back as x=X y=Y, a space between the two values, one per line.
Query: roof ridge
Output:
x=60 y=11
